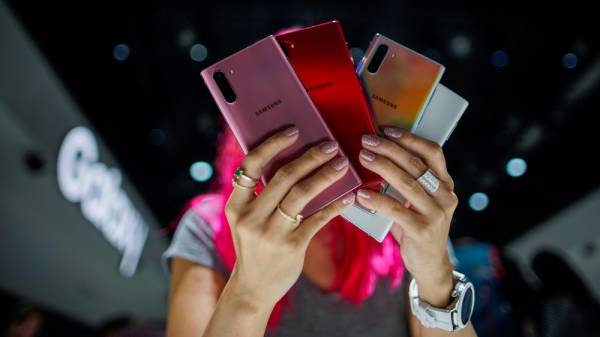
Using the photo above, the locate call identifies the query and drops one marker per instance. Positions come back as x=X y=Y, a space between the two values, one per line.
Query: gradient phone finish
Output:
x=400 y=89
x=320 y=57
x=270 y=97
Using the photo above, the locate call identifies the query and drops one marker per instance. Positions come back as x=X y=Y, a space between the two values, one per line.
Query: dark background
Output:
x=156 y=115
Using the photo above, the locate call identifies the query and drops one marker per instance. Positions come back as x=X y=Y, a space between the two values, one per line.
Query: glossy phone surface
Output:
x=398 y=82
x=320 y=57
x=259 y=94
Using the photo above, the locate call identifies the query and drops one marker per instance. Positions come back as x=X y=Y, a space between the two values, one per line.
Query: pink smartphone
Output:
x=258 y=94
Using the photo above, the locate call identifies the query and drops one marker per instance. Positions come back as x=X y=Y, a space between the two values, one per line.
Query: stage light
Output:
x=516 y=167
x=201 y=171
x=569 y=60
x=198 y=52
x=121 y=52
x=500 y=58
x=460 y=46
x=479 y=201
x=186 y=38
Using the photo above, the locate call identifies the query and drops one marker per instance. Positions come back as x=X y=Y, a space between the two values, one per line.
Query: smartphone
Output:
x=258 y=94
x=398 y=81
x=440 y=118
x=319 y=54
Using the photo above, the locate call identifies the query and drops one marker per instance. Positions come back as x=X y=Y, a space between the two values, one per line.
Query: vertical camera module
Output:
x=377 y=58
x=224 y=86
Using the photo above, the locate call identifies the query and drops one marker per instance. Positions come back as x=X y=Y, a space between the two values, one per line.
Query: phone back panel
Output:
x=270 y=97
x=320 y=57
x=400 y=89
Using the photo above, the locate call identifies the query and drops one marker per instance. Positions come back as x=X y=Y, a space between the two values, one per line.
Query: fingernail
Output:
x=362 y=193
x=348 y=198
x=292 y=130
x=371 y=140
x=339 y=163
x=393 y=132
x=367 y=155
x=328 y=147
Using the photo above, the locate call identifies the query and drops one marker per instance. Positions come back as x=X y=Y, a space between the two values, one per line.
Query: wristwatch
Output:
x=452 y=318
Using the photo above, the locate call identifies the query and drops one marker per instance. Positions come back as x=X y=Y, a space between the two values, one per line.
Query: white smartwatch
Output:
x=452 y=318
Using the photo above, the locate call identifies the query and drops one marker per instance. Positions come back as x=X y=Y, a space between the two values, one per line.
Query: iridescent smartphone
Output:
x=320 y=57
x=258 y=94
x=398 y=82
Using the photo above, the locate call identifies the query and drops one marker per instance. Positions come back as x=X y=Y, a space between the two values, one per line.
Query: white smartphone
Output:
x=439 y=120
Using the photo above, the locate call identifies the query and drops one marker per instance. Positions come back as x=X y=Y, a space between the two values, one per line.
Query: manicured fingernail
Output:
x=393 y=132
x=367 y=155
x=348 y=198
x=292 y=130
x=339 y=163
x=371 y=140
x=328 y=147
x=362 y=193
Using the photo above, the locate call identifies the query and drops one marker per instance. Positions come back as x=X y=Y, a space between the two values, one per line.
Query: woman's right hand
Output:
x=270 y=248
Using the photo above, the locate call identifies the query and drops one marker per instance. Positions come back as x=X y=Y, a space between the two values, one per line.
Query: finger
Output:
x=397 y=154
x=311 y=225
x=411 y=222
x=306 y=190
x=255 y=161
x=410 y=188
x=289 y=174
x=406 y=160
x=431 y=152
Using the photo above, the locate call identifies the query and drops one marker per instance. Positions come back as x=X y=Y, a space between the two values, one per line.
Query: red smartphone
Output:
x=258 y=94
x=320 y=57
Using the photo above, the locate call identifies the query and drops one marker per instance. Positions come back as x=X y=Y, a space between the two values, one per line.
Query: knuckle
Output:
x=411 y=184
x=285 y=172
x=314 y=156
x=417 y=163
x=298 y=191
x=252 y=159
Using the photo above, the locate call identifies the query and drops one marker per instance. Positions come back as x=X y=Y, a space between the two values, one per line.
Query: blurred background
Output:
x=523 y=156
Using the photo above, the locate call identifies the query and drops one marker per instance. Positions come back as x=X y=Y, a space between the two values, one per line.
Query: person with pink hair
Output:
x=240 y=265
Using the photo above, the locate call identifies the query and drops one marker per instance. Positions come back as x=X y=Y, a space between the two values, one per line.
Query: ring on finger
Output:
x=429 y=181
x=237 y=185
x=294 y=219
x=239 y=174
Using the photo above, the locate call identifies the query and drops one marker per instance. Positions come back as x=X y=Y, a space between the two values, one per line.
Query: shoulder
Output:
x=194 y=237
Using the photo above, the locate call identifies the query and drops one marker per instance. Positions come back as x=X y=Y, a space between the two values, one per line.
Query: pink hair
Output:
x=358 y=269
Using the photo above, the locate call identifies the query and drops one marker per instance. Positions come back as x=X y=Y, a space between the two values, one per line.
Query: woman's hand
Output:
x=270 y=248
x=422 y=228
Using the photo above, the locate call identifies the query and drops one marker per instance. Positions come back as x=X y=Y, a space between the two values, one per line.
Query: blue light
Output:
x=500 y=58
x=198 y=52
x=121 y=52
x=569 y=60
x=516 y=167
x=201 y=171
x=479 y=201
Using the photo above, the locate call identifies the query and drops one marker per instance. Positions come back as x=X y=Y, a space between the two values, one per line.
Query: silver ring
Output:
x=296 y=220
x=429 y=181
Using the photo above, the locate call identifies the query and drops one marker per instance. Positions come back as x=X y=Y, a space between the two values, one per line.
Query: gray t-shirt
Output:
x=312 y=312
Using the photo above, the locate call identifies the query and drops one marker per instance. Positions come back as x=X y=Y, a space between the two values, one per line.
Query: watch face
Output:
x=467 y=305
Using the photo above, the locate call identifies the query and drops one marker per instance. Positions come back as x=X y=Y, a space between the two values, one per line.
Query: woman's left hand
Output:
x=422 y=228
